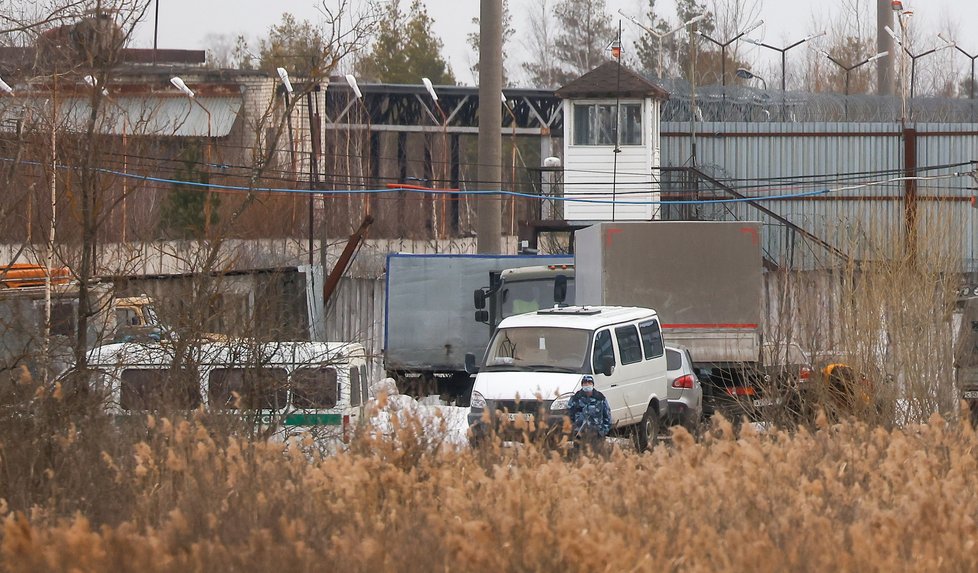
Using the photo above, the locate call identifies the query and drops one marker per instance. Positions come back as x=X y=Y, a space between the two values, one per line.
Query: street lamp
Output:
x=723 y=50
x=971 y=86
x=745 y=74
x=350 y=79
x=913 y=57
x=444 y=125
x=849 y=69
x=368 y=199
x=660 y=35
x=92 y=82
x=6 y=87
x=784 y=54
x=180 y=85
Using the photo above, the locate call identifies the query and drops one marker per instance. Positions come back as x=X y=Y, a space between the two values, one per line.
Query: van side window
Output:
x=155 y=388
x=355 y=389
x=602 y=348
x=363 y=382
x=628 y=344
x=314 y=388
x=258 y=388
x=651 y=338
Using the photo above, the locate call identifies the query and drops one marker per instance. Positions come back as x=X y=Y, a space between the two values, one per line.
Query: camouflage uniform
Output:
x=590 y=414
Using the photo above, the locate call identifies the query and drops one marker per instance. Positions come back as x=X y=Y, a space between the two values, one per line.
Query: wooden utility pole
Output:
x=489 y=223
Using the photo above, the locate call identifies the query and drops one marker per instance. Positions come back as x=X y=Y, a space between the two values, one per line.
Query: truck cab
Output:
x=535 y=362
x=524 y=289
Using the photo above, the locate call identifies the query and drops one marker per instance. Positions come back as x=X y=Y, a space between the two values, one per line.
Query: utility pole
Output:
x=489 y=223
x=884 y=43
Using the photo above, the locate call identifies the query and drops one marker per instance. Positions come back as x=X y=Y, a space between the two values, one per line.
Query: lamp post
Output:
x=849 y=69
x=508 y=107
x=745 y=74
x=913 y=57
x=971 y=84
x=784 y=61
x=351 y=80
x=126 y=125
x=180 y=85
x=283 y=76
x=444 y=126
x=723 y=50
x=660 y=35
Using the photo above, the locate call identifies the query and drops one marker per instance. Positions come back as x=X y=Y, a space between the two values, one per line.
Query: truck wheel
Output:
x=647 y=432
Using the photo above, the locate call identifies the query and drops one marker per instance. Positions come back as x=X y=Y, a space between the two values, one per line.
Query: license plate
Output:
x=519 y=416
x=971 y=394
x=763 y=402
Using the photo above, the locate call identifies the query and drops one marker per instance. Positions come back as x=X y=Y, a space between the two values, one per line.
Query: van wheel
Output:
x=648 y=431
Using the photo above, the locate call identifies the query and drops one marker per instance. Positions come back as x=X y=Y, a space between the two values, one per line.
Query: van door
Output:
x=607 y=385
x=655 y=363
x=632 y=374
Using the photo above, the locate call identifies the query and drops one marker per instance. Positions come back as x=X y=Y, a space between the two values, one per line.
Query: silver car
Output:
x=685 y=390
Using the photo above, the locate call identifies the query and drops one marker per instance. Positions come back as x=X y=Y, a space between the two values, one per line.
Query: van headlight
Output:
x=477 y=401
x=561 y=403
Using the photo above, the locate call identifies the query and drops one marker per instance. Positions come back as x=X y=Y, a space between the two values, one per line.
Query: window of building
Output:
x=594 y=124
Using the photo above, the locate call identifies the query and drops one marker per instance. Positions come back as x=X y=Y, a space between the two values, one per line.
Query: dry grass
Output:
x=176 y=495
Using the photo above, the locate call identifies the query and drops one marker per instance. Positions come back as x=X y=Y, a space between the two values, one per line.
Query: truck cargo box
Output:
x=703 y=278
x=429 y=308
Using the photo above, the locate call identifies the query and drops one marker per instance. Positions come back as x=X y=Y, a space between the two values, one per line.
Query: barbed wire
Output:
x=747 y=104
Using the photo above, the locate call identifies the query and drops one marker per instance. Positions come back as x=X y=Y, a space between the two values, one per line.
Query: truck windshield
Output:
x=538 y=348
x=530 y=295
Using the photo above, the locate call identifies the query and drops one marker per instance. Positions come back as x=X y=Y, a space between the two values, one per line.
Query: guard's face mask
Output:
x=588 y=388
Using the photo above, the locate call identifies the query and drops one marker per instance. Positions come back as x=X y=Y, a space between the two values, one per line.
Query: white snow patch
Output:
x=437 y=419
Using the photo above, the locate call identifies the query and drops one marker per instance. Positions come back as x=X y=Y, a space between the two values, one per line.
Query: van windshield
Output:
x=538 y=349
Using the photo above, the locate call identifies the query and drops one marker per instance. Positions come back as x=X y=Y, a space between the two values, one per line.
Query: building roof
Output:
x=607 y=80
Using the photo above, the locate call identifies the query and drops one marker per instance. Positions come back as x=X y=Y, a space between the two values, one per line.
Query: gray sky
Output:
x=186 y=23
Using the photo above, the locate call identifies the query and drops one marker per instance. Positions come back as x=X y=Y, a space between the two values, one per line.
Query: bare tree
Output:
x=541 y=68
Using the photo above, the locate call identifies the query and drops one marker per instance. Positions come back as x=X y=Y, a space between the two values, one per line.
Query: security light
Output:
x=430 y=88
x=178 y=83
x=284 y=76
x=350 y=79
x=5 y=87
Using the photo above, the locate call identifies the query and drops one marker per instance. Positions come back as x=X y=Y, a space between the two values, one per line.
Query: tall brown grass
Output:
x=175 y=495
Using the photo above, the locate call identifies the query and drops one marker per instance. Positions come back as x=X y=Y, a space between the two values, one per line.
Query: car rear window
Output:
x=674 y=360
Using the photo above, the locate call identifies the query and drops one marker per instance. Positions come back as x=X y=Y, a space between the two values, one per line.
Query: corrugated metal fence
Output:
x=857 y=167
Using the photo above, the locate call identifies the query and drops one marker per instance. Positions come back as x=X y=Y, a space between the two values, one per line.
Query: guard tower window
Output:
x=594 y=124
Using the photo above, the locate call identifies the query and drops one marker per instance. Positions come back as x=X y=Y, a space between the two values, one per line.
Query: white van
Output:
x=535 y=362
x=286 y=386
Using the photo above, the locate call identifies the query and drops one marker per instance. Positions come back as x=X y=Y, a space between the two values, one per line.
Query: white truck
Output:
x=428 y=317
x=523 y=289
x=705 y=281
